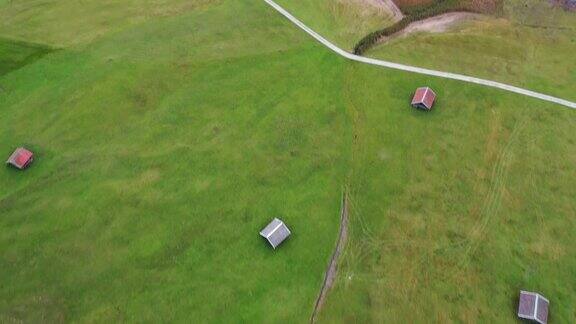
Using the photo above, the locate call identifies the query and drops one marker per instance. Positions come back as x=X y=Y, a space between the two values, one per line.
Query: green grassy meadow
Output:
x=531 y=46
x=72 y=22
x=453 y=212
x=158 y=161
x=14 y=54
x=165 y=142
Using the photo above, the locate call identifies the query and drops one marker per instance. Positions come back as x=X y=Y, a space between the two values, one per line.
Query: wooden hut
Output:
x=424 y=98
x=275 y=232
x=532 y=306
x=21 y=158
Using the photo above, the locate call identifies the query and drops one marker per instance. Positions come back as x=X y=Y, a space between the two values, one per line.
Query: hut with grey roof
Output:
x=275 y=232
x=532 y=306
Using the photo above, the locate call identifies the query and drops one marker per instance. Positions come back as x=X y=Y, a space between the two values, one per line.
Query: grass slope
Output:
x=419 y=12
x=531 y=48
x=14 y=54
x=164 y=147
x=158 y=161
x=343 y=22
x=453 y=212
x=68 y=22
x=415 y=7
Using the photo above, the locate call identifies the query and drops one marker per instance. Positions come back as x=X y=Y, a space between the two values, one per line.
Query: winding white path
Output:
x=414 y=69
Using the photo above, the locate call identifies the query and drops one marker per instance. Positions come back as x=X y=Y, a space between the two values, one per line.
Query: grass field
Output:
x=532 y=47
x=343 y=22
x=410 y=7
x=14 y=54
x=164 y=145
x=529 y=45
x=69 y=22
x=453 y=212
x=158 y=161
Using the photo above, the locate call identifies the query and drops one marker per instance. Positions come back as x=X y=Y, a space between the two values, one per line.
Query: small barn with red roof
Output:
x=21 y=158
x=424 y=98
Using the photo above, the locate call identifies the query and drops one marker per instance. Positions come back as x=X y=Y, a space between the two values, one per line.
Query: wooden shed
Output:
x=424 y=98
x=275 y=232
x=21 y=158
x=532 y=306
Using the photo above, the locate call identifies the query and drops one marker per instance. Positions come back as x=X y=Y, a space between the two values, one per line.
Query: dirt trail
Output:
x=392 y=8
x=330 y=274
x=436 y=24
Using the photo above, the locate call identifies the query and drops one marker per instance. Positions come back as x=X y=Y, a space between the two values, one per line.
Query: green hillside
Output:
x=343 y=22
x=14 y=54
x=165 y=142
x=161 y=152
x=531 y=46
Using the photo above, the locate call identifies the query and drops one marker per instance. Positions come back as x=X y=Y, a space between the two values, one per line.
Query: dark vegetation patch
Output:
x=411 y=7
x=415 y=10
x=566 y=4
x=16 y=54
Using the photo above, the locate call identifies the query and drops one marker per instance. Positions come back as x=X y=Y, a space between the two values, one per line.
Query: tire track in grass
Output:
x=330 y=274
x=493 y=200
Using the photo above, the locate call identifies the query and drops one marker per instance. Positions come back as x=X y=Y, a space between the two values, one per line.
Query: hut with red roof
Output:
x=424 y=98
x=21 y=158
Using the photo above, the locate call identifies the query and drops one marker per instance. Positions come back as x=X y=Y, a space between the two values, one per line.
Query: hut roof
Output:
x=533 y=306
x=21 y=158
x=275 y=232
x=424 y=98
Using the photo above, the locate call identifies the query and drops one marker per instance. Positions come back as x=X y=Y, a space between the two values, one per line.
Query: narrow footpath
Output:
x=330 y=274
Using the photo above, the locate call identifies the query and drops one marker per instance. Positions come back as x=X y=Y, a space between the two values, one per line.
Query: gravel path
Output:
x=414 y=69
